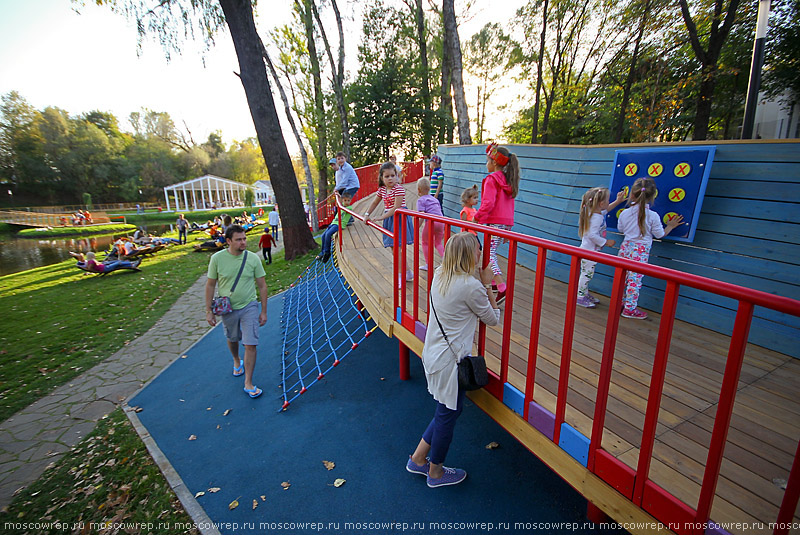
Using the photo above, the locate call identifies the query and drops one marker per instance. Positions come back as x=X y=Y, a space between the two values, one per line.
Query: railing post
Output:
x=536 y=318
x=656 y=389
x=405 y=365
x=722 y=420
x=566 y=346
x=508 y=312
x=790 y=498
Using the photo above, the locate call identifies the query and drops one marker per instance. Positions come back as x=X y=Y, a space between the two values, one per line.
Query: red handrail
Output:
x=746 y=297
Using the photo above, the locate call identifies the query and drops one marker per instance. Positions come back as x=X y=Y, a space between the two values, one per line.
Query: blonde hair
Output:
x=643 y=192
x=589 y=203
x=423 y=184
x=469 y=193
x=511 y=170
x=90 y=256
x=459 y=259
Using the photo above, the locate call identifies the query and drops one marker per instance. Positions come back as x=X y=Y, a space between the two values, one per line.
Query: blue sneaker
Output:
x=414 y=468
x=451 y=476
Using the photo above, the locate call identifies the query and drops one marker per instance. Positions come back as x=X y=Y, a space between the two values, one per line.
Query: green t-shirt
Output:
x=224 y=267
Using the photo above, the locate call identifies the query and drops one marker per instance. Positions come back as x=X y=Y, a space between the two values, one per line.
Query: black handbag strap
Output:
x=435 y=315
x=244 y=260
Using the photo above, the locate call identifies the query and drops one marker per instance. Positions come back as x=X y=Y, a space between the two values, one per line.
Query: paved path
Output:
x=40 y=433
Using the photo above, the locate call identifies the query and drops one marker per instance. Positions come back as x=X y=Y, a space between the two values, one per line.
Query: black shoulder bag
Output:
x=472 y=373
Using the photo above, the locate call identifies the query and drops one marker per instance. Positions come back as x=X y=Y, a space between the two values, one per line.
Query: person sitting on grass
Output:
x=91 y=263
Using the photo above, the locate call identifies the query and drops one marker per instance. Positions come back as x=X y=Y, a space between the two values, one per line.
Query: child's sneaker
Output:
x=592 y=298
x=635 y=314
x=414 y=468
x=586 y=302
x=451 y=476
x=500 y=297
x=423 y=267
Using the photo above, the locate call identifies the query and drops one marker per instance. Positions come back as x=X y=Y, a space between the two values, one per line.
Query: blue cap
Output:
x=332 y=160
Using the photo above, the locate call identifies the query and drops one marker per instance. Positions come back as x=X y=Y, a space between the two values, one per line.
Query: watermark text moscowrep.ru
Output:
x=383 y=527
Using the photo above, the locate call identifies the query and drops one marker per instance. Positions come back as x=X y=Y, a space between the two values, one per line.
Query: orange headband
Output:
x=498 y=157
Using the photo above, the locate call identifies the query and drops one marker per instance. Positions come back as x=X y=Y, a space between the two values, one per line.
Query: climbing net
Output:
x=322 y=322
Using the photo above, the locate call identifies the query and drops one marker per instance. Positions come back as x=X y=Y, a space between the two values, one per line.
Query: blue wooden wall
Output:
x=748 y=233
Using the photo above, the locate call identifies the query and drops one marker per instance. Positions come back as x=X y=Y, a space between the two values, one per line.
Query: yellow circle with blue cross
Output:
x=626 y=191
x=677 y=194
x=631 y=169
x=669 y=216
x=682 y=170
x=655 y=169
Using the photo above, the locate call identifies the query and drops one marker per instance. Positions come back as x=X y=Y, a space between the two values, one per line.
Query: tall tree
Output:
x=239 y=17
x=453 y=46
x=320 y=124
x=172 y=21
x=626 y=93
x=338 y=73
x=719 y=25
x=539 y=73
x=486 y=59
x=427 y=127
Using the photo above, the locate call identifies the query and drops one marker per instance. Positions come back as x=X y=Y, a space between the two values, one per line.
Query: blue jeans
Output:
x=182 y=235
x=439 y=433
x=327 y=237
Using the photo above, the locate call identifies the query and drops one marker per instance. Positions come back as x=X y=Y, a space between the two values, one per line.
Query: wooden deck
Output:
x=765 y=427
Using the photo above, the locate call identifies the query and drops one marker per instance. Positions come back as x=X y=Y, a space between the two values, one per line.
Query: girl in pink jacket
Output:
x=498 y=191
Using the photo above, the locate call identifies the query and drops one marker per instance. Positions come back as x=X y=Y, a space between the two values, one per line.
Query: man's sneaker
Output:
x=414 y=468
x=586 y=302
x=593 y=298
x=635 y=314
x=451 y=476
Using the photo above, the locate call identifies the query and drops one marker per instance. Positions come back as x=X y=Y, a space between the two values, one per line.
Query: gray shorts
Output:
x=242 y=325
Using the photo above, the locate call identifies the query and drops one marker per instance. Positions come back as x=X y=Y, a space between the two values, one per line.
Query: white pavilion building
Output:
x=203 y=193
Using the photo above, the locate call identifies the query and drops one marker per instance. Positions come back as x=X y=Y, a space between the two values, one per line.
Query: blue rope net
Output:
x=322 y=323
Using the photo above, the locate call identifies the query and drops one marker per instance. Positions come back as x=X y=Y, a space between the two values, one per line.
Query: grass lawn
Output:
x=108 y=478
x=75 y=230
x=60 y=321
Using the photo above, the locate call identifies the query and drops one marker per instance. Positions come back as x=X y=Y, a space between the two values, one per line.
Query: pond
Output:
x=19 y=254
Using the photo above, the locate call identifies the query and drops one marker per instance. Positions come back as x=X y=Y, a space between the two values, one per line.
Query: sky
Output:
x=55 y=56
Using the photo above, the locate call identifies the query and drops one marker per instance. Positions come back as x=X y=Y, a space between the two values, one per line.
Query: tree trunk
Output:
x=427 y=127
x=312 y=203
x=626 y=93
x=319 y=106
x=539 y=73
x=708 y=59
x=297 y=237
x=453 y=45
x=446 y=100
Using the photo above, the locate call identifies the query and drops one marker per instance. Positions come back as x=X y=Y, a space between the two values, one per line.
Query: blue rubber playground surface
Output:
x=359 y=416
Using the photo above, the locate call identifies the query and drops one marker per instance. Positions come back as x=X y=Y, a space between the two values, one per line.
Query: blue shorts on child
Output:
x=388 y=224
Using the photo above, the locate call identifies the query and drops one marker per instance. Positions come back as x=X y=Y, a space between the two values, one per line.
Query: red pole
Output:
x=405 y=365
x=790 y=498
x=536 y=317
x=733 y=368
x=508 y=312
x=566 y=346
x=415 y=293
x=656 y=389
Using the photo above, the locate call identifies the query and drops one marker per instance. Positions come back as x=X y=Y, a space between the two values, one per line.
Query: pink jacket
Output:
x=497 y=205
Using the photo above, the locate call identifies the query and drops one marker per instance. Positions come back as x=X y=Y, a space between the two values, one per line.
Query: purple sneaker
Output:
x=451 y=476
x=414 y=468
x=586 y=302
x=593 y=298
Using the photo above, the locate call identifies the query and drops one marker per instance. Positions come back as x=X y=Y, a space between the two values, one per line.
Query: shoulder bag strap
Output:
x=435 y=315
x=244 y=260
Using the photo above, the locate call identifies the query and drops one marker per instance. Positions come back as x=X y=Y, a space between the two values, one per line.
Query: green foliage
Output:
x=249 y=197
x=87 y=200
x=50 y=157
x=782 y=73
x=80 y=230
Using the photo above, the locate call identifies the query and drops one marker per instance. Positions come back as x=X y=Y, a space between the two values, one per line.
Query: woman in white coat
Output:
x=460 y=300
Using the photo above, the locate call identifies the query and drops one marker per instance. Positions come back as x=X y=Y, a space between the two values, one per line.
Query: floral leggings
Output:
x=495 y=242
x=587 y=272
x=640 y=252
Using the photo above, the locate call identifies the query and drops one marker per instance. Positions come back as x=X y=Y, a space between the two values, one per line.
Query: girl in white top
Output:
x=460 y=300
x=640 y=225
x=592 y=230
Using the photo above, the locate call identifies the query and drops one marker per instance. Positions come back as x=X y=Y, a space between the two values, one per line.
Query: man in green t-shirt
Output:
x=242 y=324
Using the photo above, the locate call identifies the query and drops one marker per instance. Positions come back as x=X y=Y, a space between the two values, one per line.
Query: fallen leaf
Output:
x=137 y=409
x=201 y=493
x=184 y=356
x=339 y=482
x=227 y=412
x=208 y=409
x=219 y=426
x=214 y=489
x=193 y=437
x=255 y=504
x=383 y=378
x=286 y=485
x=329 y=464
x=492 y=446
x=234 y=504
x=263 y=498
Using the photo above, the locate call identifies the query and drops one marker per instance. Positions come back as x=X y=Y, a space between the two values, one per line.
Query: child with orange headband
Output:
x=498 y=191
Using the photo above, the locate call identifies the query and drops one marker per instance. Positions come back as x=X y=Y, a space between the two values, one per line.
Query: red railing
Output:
x=635 y=485
x=368 y=178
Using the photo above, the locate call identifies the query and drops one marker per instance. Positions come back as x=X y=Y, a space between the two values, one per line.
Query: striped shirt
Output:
x=437 y=181
x=389 y=196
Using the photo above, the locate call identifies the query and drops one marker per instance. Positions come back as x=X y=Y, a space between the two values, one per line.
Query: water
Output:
x=20 y=254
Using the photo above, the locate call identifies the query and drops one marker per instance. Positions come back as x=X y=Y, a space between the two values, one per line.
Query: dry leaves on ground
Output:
x=330 y=465
x=286 y=485
x=492 y=446
x=339 y=482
